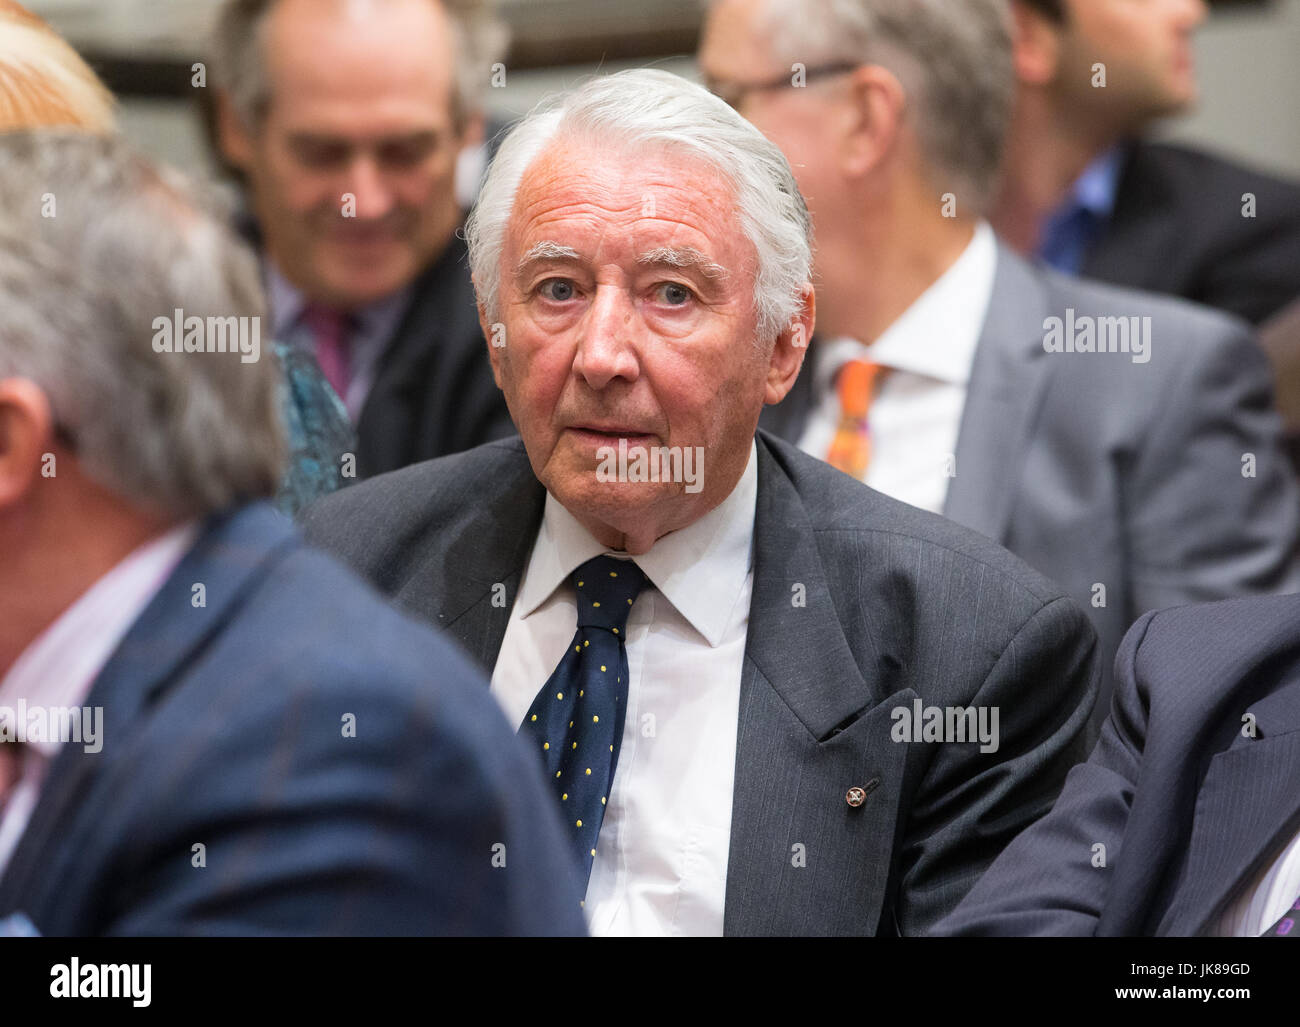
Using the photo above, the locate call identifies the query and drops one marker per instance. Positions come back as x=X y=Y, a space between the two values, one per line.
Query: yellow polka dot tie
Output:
x=576 y=721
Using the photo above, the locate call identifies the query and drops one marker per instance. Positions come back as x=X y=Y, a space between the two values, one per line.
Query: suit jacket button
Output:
x=855 y=796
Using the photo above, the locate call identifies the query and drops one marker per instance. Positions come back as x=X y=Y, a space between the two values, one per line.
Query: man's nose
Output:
x=607 y=348
x=372 y=198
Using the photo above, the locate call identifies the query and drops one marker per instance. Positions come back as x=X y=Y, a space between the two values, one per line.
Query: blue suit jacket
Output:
x=1193 y=788
x=224 y=727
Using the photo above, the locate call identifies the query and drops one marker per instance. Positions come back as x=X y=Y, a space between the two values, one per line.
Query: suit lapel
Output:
x=801 y=859
x=1005 y=393
x=233 y=554
x=1242 y=815
x=486 y=558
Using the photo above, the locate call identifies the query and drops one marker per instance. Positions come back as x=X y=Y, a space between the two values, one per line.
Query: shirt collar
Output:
x=1095 y=190
x=701 y=569
x=936 y=336
x=60 y=666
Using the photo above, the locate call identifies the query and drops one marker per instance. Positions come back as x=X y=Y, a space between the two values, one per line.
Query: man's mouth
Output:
x=607 y=434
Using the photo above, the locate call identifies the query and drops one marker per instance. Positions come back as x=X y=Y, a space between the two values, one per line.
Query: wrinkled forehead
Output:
x=609 y=195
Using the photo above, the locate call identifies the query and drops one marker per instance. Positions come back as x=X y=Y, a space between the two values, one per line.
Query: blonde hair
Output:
x=43 y=81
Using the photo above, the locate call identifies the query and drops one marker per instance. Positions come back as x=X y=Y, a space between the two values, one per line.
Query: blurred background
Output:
x=145 y=50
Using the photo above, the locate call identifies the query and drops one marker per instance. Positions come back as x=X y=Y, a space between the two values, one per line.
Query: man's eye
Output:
x=320 y=154
x=674 y=294
x=558 y=290
x=406 y=155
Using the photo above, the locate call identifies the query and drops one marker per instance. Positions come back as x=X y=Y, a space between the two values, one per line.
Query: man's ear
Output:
x=233 y=136
x=790 y=349
x=878 y=103
x=495 y=334
x=26 y=436
x=1036 y=45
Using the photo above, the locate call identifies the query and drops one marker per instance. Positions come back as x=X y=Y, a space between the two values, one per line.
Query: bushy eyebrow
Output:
x=546 y=250
x=683 y=258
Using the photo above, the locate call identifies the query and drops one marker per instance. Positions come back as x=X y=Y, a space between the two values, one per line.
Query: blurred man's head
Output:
x=347 y=118
x=875 y=103
x=1145 y=47
x=642 y=255
x=103 y=439
x=43 y=82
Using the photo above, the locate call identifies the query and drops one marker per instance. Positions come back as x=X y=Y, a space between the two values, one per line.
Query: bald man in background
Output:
x=347 y=121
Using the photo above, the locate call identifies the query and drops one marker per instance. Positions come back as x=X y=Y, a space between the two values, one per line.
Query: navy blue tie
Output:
x=576 y=721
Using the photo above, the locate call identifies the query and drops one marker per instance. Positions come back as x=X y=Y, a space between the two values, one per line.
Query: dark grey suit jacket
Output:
x=1099 y=471
x=900 y=604
x=1189 y=806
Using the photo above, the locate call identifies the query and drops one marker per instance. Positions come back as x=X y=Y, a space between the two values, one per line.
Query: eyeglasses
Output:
x=734 y=93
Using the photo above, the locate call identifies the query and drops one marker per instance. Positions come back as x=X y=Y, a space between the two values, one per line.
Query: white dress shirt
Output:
x=59 y=667
x=661 y=858
x=1264 y=900
x=916 y=414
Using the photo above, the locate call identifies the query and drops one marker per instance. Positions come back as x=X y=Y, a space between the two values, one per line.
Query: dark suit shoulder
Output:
x=359 y=731
x=384 y=516
x=1196 y=171
x=1210 y=648
x=1200 y=323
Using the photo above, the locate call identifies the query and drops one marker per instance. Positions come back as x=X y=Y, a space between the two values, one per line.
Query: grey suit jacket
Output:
x=900 y=605
x=1191 y=791
x=1098 y=471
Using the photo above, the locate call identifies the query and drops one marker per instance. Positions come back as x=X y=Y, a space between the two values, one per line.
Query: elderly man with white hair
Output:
x=767 y=699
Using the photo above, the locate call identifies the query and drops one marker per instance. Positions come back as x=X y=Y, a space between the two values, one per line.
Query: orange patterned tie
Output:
x=855 y=384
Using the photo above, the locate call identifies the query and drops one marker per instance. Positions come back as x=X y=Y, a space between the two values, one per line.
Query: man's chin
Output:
x=358 y=285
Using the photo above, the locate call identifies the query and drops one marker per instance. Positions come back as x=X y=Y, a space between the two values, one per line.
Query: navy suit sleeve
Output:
x=427 y=817
x=1053 y=879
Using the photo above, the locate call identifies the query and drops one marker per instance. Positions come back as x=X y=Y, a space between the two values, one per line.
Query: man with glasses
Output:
x=1122 y=444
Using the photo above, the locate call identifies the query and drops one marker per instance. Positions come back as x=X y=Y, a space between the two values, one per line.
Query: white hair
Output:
x=652 y=108
x=95 y=243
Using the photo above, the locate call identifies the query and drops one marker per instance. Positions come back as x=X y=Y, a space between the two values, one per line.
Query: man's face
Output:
x=1146 y=46
x=736 y=50
x=353 y=166
x=627 y=298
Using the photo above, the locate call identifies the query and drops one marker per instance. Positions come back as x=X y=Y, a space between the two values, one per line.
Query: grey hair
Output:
x=954 y=57
x=95 y=243
x=239 y=65
x=649 y=108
